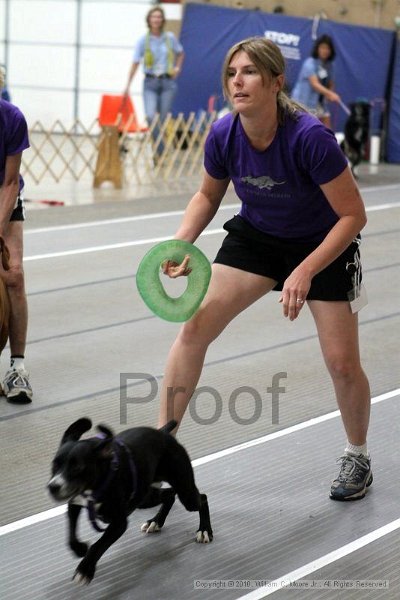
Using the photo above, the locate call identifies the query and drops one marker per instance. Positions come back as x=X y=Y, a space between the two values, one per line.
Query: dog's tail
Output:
x=5 y=255
x=168 y=427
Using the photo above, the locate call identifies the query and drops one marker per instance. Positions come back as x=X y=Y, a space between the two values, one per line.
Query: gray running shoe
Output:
x=16 y=387
x=354 y=478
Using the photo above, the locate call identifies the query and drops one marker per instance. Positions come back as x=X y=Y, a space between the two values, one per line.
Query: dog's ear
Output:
x=168 y=427
x=105 y=430
x=105 y=447
x=76 y=430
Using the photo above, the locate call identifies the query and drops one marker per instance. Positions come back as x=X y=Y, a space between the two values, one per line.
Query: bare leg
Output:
x=230 y=292
x=15 y=282
x=338 y=336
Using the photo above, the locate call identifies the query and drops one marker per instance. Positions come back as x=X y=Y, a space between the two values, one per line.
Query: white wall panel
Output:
x=41 y=66
x=2 y=16
x=112 y=23
x=43 y=21
x=42 y=54
x=45 y=107
x=106 y=69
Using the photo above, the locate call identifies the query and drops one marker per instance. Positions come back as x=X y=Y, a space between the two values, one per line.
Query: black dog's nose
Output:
x=53 y=488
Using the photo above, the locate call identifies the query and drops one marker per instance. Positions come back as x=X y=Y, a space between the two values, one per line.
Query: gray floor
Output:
x=269 y=501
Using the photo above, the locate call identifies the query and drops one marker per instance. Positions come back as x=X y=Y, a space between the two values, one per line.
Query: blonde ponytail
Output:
x=288 y=107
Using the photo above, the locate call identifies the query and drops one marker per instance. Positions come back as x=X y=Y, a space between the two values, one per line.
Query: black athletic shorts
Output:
x=252 y=250
x=18 y=214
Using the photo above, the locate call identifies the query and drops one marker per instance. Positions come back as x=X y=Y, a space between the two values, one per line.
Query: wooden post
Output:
x=109 y=164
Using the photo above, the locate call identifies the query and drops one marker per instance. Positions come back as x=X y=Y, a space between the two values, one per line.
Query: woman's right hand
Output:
x=174 y=270
x=333 y=96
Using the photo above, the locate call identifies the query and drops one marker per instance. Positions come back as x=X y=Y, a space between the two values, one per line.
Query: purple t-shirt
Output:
x=13 y=135
x=279 y=187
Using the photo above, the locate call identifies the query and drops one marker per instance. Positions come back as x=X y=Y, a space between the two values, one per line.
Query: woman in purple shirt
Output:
x=297 y=232
x=13 y=141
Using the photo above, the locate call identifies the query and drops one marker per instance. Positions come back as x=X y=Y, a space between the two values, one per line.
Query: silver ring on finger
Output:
x=300 y=301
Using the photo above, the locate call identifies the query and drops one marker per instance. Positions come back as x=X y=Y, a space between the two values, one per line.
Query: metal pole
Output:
x=77 y=58
x=6 y=35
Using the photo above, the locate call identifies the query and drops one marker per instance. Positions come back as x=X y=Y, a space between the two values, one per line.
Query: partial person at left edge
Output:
x=13 y=141
x=4 y=93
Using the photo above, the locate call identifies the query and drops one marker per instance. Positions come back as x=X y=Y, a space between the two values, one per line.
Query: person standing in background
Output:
x=13 y=141
x=315 y=83
x=162 y=56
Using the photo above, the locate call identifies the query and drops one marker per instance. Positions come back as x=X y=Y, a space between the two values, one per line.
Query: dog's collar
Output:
x=96 y=495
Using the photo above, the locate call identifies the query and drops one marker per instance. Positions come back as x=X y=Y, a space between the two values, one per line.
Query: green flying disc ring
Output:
x=152 y=290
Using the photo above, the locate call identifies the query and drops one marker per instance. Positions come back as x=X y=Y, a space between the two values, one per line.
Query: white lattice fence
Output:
x=59 y=152
x=167 y=151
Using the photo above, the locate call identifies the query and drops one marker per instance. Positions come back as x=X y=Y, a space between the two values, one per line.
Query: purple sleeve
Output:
x=17 y=135
x=322 y=156
x=213 y=160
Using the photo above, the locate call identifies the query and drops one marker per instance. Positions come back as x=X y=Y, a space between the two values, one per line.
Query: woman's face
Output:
x=324 y=51
x=248 y=93
x=156 y=20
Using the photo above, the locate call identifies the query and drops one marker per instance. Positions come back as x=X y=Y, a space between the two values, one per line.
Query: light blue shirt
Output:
x=303 y=91
x=159 y=50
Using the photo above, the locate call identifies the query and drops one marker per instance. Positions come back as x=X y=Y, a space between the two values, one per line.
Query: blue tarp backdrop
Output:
x=362 y=64
x=393 y=144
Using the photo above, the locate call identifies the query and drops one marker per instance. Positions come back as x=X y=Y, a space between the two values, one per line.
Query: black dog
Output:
x=356 y=132
x=114 y=476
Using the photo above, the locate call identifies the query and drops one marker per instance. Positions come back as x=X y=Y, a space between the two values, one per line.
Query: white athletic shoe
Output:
x=16 y=387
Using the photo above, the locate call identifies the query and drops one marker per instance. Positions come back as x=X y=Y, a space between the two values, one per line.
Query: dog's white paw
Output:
x=80 y=579
x=150 y=527
x=202 y=537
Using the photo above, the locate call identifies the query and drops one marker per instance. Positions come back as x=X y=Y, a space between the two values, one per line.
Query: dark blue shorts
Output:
x=252 y=250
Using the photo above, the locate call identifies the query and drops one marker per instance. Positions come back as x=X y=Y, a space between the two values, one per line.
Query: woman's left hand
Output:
x=294 y=293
